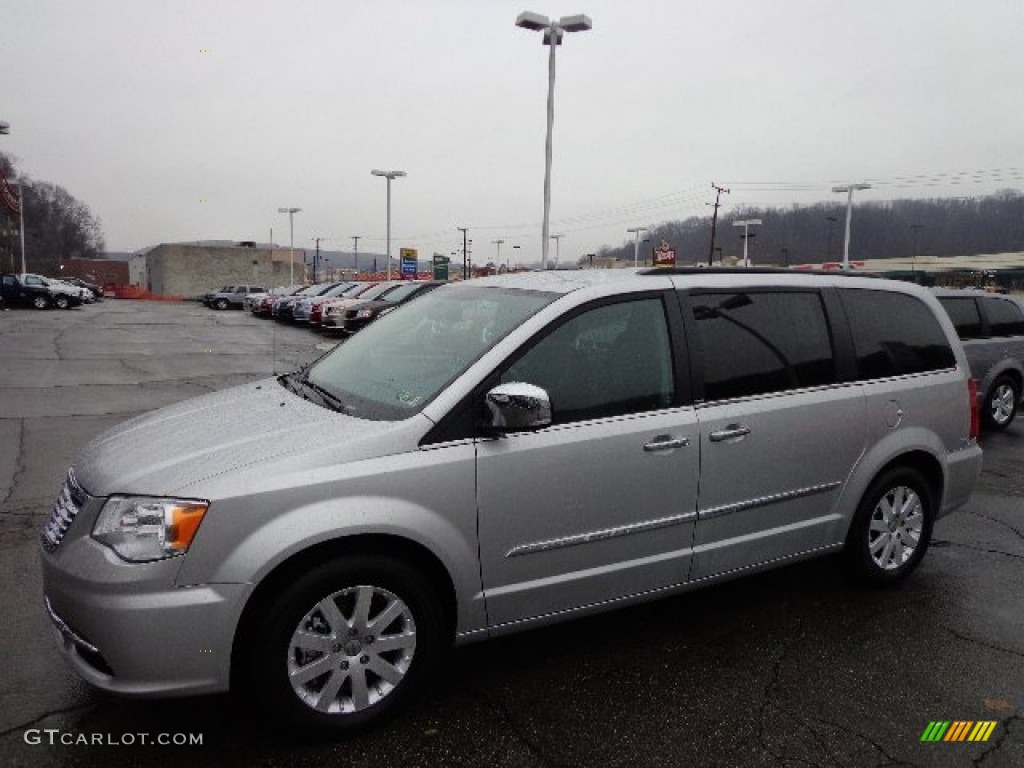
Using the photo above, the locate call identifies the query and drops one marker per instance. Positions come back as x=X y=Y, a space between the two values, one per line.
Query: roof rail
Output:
x=747 y=271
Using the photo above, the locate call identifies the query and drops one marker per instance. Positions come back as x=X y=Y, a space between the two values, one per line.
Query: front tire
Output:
x=891 y=529
x=345 y=645
x=61 y=302
x=220 y=304
x=1001 y=403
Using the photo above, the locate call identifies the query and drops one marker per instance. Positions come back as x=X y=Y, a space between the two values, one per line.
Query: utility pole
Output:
x=465 y=261
x=831 y=221
x=714 y=219
x=355 y=251
x=637 y=231
x=316 y=258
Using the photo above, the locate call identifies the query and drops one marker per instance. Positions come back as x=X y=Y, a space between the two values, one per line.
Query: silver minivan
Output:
x=501 y=454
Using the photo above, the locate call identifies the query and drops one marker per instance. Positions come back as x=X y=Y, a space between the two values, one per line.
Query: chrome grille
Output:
x=69 y=502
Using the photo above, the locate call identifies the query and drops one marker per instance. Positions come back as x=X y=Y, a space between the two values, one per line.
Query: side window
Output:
x=609 y=360
x=33 y=280
x=1005 y=317
x=894 y=334
x=759 y=342
x=8 y=281
x=241 y=289
x=964 y=314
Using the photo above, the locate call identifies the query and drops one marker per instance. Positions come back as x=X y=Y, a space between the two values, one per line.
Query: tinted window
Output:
x=895 y=334
x=964 y=314
x=752 y=343
x=610 y=360
x=1005 y=318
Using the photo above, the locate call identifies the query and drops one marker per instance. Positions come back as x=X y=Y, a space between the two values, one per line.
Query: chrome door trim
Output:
x=761 y=501
x=601 y=535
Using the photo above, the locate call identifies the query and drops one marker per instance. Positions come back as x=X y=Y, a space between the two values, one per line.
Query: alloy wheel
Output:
x=351 y=650
x=894 y=532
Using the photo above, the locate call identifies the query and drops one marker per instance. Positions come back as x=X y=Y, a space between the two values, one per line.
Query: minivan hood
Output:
x=163 y=452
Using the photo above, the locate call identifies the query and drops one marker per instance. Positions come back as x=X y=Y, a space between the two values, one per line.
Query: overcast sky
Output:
x=179 y=120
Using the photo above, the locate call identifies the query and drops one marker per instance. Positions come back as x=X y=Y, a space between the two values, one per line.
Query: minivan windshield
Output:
x=397 y=365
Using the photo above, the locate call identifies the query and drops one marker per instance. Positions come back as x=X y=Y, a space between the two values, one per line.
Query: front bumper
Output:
x=128 y=629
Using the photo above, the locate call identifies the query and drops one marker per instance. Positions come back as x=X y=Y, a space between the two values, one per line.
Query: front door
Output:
x=600 y=505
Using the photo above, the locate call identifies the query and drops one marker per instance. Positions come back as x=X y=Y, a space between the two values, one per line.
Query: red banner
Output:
x=10 y=200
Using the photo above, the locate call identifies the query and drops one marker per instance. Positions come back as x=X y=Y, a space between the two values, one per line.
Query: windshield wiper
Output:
x=329 y=399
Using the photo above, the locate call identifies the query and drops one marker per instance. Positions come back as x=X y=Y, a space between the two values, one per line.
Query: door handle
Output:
x=729 y=433
x=666 y=443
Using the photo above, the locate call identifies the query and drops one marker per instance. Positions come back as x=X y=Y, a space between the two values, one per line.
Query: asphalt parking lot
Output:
x=792 y=668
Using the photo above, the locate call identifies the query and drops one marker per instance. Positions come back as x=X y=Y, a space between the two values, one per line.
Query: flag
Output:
x=10 y=198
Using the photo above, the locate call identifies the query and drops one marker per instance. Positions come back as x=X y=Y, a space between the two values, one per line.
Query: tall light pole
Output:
x=746 y=224
x=390 y=176
x=291 y=239
x=497 y=258
x=558 y=251
x=355 y=251
x=849 y=189
x=552 y=38
x=636 y=243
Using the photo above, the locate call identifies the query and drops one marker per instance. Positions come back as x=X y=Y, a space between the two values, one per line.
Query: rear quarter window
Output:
x=964 y=314
x=894 y=334
x=1005 y=317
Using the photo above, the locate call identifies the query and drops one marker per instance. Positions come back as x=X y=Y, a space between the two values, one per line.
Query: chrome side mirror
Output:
x=516 y=407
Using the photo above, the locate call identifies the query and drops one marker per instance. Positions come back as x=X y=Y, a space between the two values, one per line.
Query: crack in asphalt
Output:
x=19 y=463
x=532 y=747
x=806 y=723
x=998 y=743
x=982 y=643
x=1018 y=533
x=980 y=549
x=52 y=713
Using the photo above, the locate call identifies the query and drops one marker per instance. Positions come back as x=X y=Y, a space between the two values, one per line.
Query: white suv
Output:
x=500 y=454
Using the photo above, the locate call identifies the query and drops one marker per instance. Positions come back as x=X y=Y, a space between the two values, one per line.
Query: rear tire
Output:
x=344 y=646
x=220 y=304
x=892 y=528
x=40 y=302
x=1000 y=405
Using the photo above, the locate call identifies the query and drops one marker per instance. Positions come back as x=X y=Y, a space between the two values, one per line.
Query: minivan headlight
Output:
x=140 y=528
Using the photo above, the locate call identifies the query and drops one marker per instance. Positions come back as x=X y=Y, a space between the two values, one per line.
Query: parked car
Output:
x=333 y=312
x=283 y=310
x=37 y=291
x=361 y=315
x=96 y=290
x=63 y=286
x=991 y=327
x=264 y=307
x=230 y=296
x=302 y=311
x=501 y=454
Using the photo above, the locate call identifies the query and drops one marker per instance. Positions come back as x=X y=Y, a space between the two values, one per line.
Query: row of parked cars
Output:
x=339 y=307
x=29 y=290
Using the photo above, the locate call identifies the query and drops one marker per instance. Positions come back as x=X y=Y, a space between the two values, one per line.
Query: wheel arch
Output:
x=419 y=556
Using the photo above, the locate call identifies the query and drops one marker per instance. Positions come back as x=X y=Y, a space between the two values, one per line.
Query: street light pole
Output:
x=636 y=243
x=849 y=189
x=355 y=251
x=291 y=239
x=746 y=224
x=390 y=176
x=552 y=37
x=497 y=258
x=558 y=251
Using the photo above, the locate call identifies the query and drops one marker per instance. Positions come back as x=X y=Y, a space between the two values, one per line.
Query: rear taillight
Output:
x=972 y=394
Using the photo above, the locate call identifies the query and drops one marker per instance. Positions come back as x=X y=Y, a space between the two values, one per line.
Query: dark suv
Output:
x=991 y=327
x=35 y=291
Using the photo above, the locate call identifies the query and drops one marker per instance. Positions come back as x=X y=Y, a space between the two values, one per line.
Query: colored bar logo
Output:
x=959 y=730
